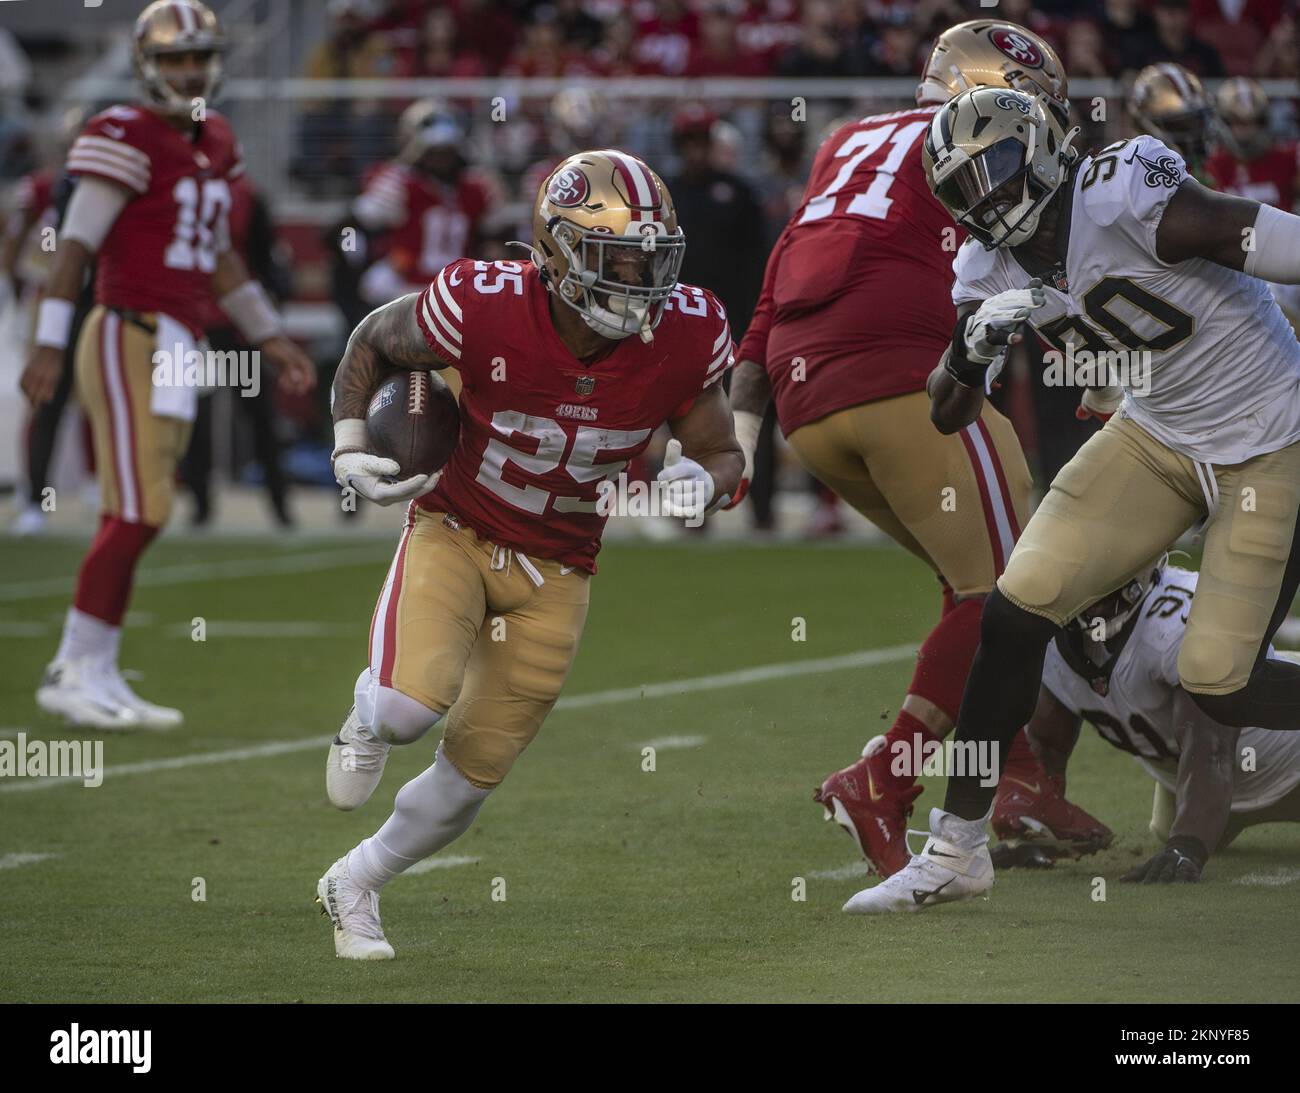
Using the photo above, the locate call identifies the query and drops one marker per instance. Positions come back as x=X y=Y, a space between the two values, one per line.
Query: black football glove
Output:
x=1180 y=862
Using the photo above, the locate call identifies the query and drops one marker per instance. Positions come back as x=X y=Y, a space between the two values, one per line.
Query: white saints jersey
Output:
x=1132 y=707
x=1209 y=364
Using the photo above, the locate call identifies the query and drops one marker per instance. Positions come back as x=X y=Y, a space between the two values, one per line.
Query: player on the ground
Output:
x=149 y=208
x=1248 y=161
x=568 y=363
x=424 y=208
x=1116 y=666
x=1118 y=253
x=854 y=312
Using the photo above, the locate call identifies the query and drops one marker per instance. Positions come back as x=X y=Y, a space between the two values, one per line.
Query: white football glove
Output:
x=687 y=488
x=989 y=331
x=371 y=475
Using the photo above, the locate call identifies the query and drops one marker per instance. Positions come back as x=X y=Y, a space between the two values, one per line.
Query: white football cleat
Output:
x=150 y=715
x=943 y=872
x=354 y=765
x=355 y=913
x=78 y=691
x=31 y=521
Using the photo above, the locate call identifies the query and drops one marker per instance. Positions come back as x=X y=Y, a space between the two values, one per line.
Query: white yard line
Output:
x=844 y=872
x=863 y=658
x=1276 y=879
x=190 y=573
x=237 y=628
x=429 y=864
x=668 y=743
x=13 y=861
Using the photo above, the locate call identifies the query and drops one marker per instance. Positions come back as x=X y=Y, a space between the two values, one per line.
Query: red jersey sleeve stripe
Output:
x=429 y=326
x=86 y=163
x=448 y=300
x=126 y=152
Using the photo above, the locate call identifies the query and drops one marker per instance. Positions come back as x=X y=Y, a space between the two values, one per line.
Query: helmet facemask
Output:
x=997 y=192
x=618 y=284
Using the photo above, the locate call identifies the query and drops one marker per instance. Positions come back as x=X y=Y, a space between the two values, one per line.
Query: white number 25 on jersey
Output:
x=550 y=438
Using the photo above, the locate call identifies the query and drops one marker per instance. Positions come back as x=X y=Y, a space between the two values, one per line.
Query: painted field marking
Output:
x=13 y=861
x=860 y=659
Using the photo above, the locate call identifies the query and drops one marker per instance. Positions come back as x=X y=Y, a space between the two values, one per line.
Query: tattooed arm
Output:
x=389 y=337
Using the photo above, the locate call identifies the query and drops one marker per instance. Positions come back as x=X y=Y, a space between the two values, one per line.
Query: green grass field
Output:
x=621 y=885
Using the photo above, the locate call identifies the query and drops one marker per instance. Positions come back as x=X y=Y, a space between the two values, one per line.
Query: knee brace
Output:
x=390 y=715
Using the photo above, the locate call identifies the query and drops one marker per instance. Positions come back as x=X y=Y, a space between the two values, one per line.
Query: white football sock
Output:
x=431 y=810
x=86 y=637
x=967 y=835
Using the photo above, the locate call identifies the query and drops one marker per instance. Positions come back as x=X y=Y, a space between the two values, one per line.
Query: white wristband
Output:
x=54 y=322
x=350 y=434
x=747 y=426
x=252 y=312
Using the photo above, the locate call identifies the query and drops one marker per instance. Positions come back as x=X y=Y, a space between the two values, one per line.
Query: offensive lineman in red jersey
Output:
x=855 y=311
x=425 y=206
x=568 y=364
x=1248 y=162
x=150 y=207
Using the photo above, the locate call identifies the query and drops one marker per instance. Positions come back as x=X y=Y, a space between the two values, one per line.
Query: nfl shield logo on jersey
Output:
x=584 y=385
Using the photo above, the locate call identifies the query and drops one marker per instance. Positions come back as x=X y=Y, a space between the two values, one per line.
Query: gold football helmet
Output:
x=607 y=242
x=1243 y=117
x=993 y=53
x=994 y=157
x=425 y=124
x=1169 y=103
x=176 y=26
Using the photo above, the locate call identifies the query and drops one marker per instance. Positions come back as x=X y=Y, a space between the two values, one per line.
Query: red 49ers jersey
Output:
x=162 y=249
x=539 y=429
x=429 y=223
x=856 y=304
x=1270 y=179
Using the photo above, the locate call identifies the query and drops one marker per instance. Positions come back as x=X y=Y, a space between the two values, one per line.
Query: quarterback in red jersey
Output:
x=855 y=312
x=1248 y=162
x=567 y=366
x=149 y=207
x=425 y=207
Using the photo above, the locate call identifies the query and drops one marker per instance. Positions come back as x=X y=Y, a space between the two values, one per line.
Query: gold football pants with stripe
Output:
x=957 y=502
x=479 y=632
x=136 y=451
x=1122 y=500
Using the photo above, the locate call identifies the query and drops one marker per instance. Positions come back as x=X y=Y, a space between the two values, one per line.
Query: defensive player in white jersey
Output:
x=1116 y=667
x=1118 y=253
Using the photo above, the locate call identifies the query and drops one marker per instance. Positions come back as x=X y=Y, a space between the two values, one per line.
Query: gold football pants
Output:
x=479 y=632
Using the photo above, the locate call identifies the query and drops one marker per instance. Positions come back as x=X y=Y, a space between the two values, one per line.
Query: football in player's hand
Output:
x=413 y=419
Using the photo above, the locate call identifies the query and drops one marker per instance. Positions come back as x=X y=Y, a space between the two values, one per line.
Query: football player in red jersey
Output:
x=425 y=207
x=568 y=364
x=855 y=311
x=149 y=207
x=1248 y=162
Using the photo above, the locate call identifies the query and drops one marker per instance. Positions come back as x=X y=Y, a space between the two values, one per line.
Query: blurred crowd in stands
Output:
x=815 y=38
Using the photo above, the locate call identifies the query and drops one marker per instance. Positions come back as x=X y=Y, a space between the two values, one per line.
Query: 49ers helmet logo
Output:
x=1016 y=46
x=568 y=188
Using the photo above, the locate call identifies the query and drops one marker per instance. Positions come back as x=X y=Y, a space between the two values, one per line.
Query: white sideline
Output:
x=1286 y=875
x=188 y=573
x=864 y=658
x=13 y=861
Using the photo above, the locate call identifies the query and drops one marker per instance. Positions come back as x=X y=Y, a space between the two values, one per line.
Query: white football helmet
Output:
x=994 y=157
